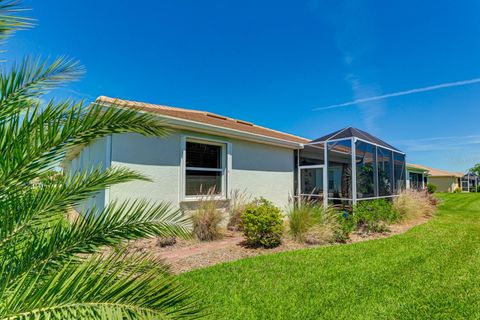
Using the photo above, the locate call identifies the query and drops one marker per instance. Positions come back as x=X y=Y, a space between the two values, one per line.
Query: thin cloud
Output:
x=440 y=143
x=401 y=93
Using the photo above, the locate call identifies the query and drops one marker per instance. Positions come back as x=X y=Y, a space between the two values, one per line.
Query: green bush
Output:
x=431 y=188
x=374 y=215
x=457 y=190
x=262 y=224
x=347 y=224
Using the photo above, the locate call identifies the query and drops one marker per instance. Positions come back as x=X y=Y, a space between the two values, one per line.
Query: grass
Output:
x=430 y=272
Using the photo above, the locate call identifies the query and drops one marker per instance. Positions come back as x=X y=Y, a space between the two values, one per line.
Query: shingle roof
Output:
x=417 y=166
x=432 y=172
x=354 y=132
x=203 y=117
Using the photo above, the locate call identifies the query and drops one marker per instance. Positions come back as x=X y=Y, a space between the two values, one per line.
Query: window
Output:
x=204 y=168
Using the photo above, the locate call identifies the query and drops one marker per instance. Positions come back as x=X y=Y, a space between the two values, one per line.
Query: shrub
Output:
x=238 y=203
x=207 y=220
x=166 y=241
x=431 y=188
x=457 y=190
x=347 y=224
x=262 y=224
x=411 y=204
x=374 y=215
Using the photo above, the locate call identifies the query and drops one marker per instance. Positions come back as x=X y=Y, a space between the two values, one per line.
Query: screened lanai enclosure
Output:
x=470 y=182
x=348 y=166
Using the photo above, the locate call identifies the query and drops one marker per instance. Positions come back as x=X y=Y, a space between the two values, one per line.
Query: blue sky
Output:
x=275 y=62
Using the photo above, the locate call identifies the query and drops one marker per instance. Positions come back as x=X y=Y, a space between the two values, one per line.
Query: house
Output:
x=210 y=153
x=470 y=182
x=417 y=176
x=445 y=181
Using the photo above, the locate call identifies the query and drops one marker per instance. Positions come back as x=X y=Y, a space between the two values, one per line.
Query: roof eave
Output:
x=178 y=123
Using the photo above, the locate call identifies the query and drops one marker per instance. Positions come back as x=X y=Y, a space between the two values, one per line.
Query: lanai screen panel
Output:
x=399 y=172
x=312 y=155
x=385 y=172
x=339 y=157
x=366 y=168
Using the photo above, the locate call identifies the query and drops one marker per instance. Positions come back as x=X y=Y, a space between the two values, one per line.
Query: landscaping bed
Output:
x=186 y=255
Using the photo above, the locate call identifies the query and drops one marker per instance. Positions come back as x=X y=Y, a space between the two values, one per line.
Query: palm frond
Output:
x=22 y=83
x=41 y=205
x=10 y=21
x=130 y=220
x=41 y=141
x=112 y=287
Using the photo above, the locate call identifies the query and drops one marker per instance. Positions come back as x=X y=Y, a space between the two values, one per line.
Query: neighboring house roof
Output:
x=432 y=172
x=204 y=117
x=417 y=167
x=350 y=132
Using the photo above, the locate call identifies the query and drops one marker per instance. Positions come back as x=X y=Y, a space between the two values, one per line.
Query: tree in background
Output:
x=476 y=169
x=51 y=267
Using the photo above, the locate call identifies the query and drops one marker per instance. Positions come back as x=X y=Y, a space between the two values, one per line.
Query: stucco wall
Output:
x=94 y=156
x=444 y=184
x=262 y=170
x=257 y=169
x=156 y=158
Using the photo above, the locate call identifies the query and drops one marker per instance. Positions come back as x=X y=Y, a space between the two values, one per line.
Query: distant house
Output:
x=417 y=176
x=470 y=182
x=207 y=152
x=445 y=181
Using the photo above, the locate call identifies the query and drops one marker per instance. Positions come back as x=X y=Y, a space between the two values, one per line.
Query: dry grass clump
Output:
x=207 y=219
x=319 y=234
x=239 y=201
x=309 y=222
x=411 y=204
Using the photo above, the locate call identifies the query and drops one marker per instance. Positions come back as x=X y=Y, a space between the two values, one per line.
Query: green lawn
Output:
x=430 y=272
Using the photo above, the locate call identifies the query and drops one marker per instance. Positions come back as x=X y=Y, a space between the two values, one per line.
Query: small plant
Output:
x=262 y=224
x=319 y=234
x=457 y=190
x=412 y=204
x=374 y=215
x=431 y=188
x=347 y=224
x=163 y=242
x=207 y=219
x=301 y=218
x=238 y=203
x=311 y=223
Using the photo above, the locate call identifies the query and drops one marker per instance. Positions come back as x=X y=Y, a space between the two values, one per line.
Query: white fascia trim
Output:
x=178 y=123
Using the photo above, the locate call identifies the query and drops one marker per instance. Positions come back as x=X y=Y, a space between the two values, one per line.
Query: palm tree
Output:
x=52 y=267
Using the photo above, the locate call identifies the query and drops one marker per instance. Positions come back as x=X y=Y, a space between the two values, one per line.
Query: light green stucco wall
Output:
x=257 y=169
x=94 y=156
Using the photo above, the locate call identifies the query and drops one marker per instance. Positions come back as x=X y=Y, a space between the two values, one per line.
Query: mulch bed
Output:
x=185 y=255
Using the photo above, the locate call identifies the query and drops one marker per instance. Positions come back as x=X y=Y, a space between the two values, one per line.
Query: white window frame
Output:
x=226 y=165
